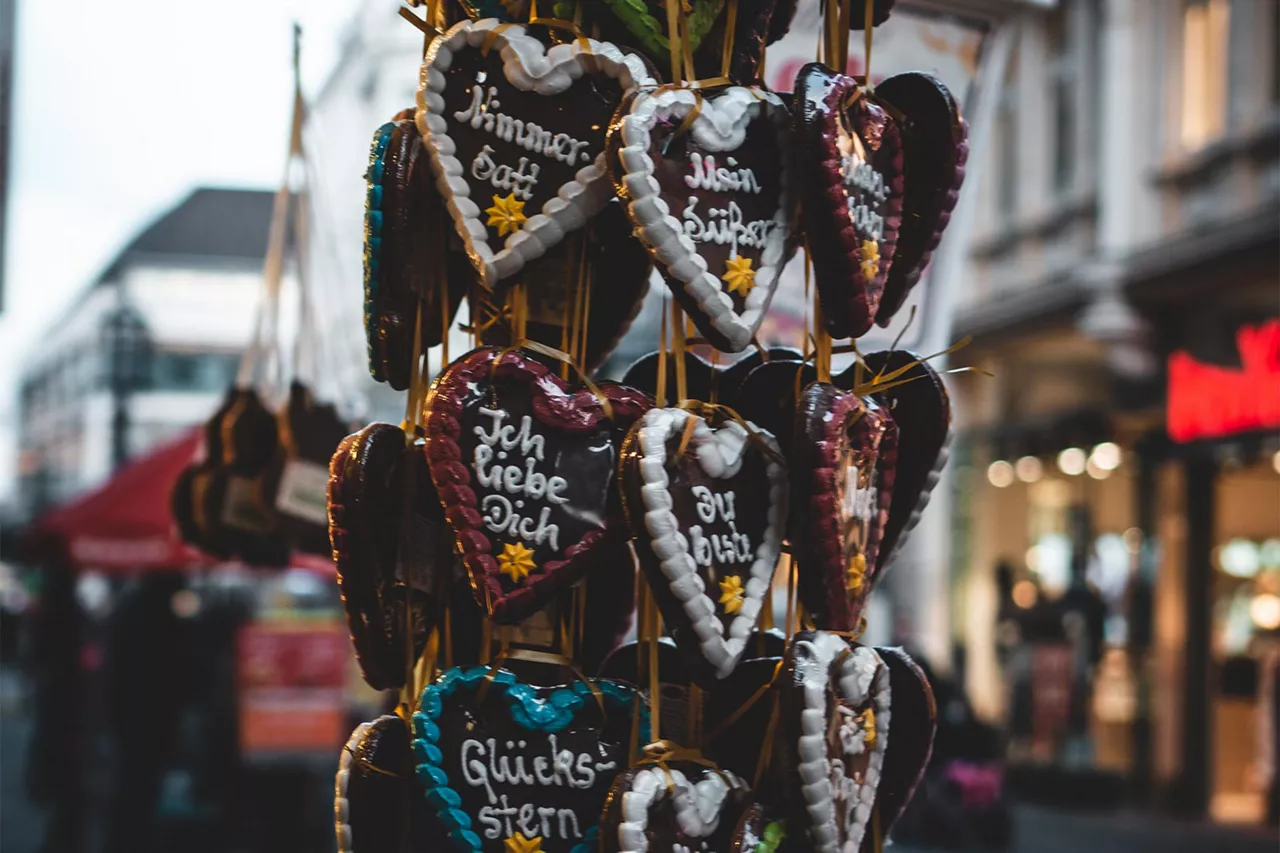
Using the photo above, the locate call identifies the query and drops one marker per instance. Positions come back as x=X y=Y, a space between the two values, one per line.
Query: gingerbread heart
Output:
x=525 y=470
x=935 y=143
x=835 y=715
x=404 y=244
x=706 y=502
x=516 y=134
x=843 y=461
x=921 y=410
x=379 y=562
x=911 y=733
x=510 y=765
x=712 y=201
x=678 y=807
x=705 y=381
x=617 y=278
x=852 y=185
x=736 y=719
x=373 y=788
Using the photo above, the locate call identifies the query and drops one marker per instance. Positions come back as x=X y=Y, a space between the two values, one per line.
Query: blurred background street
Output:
x=1095 y=585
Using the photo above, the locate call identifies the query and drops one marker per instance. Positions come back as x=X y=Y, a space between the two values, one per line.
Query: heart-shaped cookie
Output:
x=835 y=716
x=935 y=147
x=921 y=410
x=706 y=502
x=525 y=470
x=367 y=492
x=679 y=807
x=617 y=278
x=404 y=238
x=911 y=732
x=852 y=185
x=516 y=134
x=373 y=788
x=705 y=381
x=508 y=765
x=736 y=718
x=711 y=201
x=843 y=458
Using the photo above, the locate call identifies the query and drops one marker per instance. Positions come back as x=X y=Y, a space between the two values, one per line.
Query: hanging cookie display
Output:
x=706 y=500
x=852 y=186
x=705 y=176
x=515 y=129
x=373 y=789
x=525 y=470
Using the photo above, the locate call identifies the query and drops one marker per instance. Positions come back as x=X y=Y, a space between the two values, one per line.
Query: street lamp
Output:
x=128 y=350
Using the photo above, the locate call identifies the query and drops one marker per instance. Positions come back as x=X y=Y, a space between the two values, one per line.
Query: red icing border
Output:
x=552 y=405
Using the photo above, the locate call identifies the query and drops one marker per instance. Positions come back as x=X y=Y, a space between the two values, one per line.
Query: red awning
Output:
x=125 y=524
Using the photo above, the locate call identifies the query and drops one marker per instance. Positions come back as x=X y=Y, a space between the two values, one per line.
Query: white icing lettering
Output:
x=505 y=512
x=859 y=174
x=708 y=550
x=473 y=772
x=482 y=114
x=519 y=181
x=725 y=226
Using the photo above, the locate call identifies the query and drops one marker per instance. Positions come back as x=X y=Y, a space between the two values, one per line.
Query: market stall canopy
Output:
x=124 y=524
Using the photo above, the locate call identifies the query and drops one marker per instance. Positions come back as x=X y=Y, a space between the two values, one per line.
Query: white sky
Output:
x=122 y=107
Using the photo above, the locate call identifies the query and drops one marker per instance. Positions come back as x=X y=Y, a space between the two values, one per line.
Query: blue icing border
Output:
x=373 y=236
x=553 y=714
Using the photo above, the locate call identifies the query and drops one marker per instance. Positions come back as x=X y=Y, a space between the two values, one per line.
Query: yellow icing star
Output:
x=856 y=573
x=732 y=594
x=867 y=719
x=739 y=276
x=870 y=259
x=516 y=561
x=507 y=214
x=519 y=844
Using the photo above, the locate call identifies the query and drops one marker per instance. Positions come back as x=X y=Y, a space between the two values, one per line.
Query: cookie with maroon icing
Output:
x=935 y=147
x=367 y=514
x=921 y=410
x=842 y=463
x=835 y=725
x=851 y=175
x=515 y=129
x=706 y=177
x=676 y=807
x=525 y=468
x=705 y=499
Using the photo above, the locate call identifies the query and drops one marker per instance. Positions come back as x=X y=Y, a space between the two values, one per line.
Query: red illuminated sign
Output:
x=1208 y=401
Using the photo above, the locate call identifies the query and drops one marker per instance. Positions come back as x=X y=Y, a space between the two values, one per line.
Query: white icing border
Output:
x=720 y=125
x=813 y=662
x=341 y=782
x=697 y=805
x=719 y=453
x=530 y=66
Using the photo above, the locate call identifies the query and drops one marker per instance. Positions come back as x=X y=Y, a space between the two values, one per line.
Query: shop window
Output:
x=1205 y=36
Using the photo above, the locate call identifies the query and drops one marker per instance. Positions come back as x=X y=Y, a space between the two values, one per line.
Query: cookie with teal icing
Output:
x=509 y=765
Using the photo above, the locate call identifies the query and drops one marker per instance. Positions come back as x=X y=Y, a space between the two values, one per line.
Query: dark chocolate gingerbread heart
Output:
x=616 y=276
x=516 y=130
x=710 y=200
x=736 y=719
x=525 y=470
x=509 y=765
x=844 y=452
x=380 y=562
x=704 y=380
x=935 y=147
x=911 y=730
x=678 y=807
x=373 y=788
x=408 y=263
x=852 y=185
x=835 y=719
x=706 y=502
x=630 y=663
x=921 y=410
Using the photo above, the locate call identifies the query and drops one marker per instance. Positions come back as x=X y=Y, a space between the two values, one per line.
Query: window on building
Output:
x=1007 y=173
x=1205 y=36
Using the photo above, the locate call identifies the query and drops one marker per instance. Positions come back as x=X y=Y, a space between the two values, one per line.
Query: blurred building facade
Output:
x=1116 y=483
x=147 y=351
